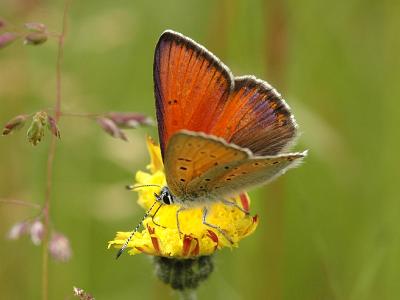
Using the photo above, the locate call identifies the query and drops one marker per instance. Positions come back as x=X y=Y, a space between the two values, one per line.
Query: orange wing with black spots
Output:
x=195 y=91
x=190 y=154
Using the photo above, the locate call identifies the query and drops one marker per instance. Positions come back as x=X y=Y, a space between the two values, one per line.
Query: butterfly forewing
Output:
x=256 y=117
x=196 y=92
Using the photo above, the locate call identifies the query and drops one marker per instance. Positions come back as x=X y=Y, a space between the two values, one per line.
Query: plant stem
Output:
x=50 y=160
x=19 y=202
x=80 y=115
x=57 y=108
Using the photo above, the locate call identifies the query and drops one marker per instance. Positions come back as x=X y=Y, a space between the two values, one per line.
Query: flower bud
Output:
x=36 y=130
x=7 y=38
x=52 y=126
x=14 y=124
x=34 y=26
x=37 y=231
x=2 y=23
x=111 y=128
x=35 y=38
x=129 y=119
x=59 y=247
x=18 y=230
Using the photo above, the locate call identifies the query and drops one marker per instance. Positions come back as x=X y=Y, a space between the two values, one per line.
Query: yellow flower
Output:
x=161 y=237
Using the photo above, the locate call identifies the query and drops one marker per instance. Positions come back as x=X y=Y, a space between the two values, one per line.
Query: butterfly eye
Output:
x=166 y=199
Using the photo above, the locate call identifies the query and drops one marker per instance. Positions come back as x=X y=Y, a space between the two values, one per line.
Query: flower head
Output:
x=59 y=247
x=19 y=229
x=161 y=237
x=37 y=232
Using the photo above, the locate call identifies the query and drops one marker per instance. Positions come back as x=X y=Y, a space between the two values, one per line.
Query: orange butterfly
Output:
x=219 y=134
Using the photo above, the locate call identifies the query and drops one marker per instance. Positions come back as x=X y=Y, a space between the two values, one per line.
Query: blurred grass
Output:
x=340 y=210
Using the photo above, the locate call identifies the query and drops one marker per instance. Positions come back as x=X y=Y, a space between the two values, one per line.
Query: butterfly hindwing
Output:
x=205 y=167
x=191 y=154
x=233 y=177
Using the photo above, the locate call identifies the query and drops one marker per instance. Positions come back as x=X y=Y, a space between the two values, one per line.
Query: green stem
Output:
x=50 y=161
x=80 y=115
x=19 y=202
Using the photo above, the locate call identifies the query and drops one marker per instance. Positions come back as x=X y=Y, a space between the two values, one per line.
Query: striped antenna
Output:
x=134 y=231
x=134 y=187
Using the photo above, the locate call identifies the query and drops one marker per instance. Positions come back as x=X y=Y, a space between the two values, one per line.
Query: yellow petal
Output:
x=156 y=163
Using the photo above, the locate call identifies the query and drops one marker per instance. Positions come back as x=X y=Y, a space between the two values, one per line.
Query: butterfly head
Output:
x=165 y=196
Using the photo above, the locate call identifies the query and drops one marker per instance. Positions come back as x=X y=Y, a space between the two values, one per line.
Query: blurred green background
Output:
x=329 y=229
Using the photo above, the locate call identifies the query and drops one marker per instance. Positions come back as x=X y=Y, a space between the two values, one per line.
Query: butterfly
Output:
x=219 y=135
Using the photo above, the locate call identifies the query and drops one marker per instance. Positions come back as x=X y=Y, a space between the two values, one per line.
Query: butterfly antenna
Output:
x=134 y=231
x=134 y=187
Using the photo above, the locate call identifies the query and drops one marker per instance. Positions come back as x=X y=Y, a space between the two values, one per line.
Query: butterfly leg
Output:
x=234 y=204
x=152 y=217
x=177 y=221
x=205 y=213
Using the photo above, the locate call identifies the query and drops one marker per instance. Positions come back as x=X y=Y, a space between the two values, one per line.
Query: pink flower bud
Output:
x=7 y=38
x=18 y=230
x=35 y=38
x=111 y=128
x=14 y=124
x=37 y=231
x=52 y=126
x=34 y=26
x=59 y=247
x=129 y=119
